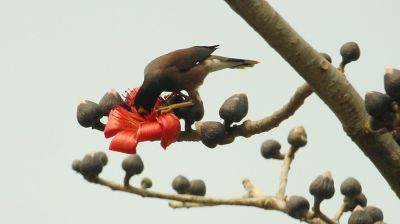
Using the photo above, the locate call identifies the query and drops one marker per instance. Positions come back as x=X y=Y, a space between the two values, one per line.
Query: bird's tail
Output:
x=215 y=63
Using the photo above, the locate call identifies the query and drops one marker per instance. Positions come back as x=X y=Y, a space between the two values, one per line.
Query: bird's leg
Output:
x=194 y=97
x=171 y=107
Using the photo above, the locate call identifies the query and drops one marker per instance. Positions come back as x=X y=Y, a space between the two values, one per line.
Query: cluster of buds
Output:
x=352 y=192
x=297 y=138
x=321 y=188
x=89 y=113
x=91 y=165
x=384 y=107
x=182 y=185
x=356 y=202
x=367 y=215
x=233 y=110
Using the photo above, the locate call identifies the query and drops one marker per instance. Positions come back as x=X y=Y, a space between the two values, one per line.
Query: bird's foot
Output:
x=171 y=107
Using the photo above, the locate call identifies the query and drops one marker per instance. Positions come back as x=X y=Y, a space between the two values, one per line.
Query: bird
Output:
x=182 y=70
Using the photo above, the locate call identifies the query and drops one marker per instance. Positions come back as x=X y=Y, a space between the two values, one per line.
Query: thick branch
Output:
x=249 y=128
x=327 y=82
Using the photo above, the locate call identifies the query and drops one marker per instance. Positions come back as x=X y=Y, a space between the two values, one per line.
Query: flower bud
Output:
x=297 y=206
x=235 y=108
x=323 y=187
x=102 y=156
x=146 y=183
x=377 y=104
x=133 y=165
x=359 y=216
x=392 y=83
x=197 y=187
x=76 y=165
x=90 y=166
x=212 y=133
x=349 y=51
x=270 y=149
x=109 y=101
x=88 y=113
x=181 y=184
x=191 y=114
x=375 y=213
x=358 y=200
x=297 y=137
x=350 y=187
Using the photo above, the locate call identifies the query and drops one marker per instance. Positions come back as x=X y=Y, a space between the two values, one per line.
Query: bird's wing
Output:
x=183 y=59
x=193 y=56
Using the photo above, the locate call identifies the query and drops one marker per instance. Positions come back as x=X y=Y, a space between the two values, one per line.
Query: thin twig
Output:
x=179 y=204
x=340 y=212
x=251 y=190
x=318 y=213
x=285 y=172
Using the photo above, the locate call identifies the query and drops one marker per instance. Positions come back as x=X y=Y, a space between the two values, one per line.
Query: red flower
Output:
x=130 y=128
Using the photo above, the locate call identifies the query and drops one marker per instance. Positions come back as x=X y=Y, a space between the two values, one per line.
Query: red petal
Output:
x=129 y=128
x=149 y=131
x=171 y=128
x=125 y=141
x=120 y=119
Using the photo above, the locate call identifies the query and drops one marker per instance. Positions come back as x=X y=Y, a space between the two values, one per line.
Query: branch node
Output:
x=324 y=64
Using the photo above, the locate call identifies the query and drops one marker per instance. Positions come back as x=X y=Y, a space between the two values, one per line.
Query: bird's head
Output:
x=142 y=105
x=145 y=100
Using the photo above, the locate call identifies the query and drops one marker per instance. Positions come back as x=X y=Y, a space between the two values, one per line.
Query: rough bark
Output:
x=328 y=83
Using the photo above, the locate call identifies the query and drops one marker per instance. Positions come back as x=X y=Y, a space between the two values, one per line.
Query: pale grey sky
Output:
x=54 y=53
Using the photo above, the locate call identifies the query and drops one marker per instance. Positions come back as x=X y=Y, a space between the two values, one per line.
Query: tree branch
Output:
x=260 y=202
x=327 y=82
x=249 y=128
x=188 y=201
x=287 y=161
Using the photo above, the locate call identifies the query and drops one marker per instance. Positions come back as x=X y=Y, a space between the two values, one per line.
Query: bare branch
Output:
x=318 y=213
x=327 y=82
x=251 y=190
x=287 y=161
x=340 y=212
x=189 y=201
x=178 y=204
x=260 y=202
x=249 y=128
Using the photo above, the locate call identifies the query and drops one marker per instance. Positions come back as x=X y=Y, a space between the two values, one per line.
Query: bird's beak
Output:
x=141 y=110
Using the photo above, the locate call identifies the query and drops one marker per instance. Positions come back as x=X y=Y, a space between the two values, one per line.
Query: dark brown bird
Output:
x=183 y=69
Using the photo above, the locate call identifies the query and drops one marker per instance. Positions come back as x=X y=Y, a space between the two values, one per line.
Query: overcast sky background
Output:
x=55 y=53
